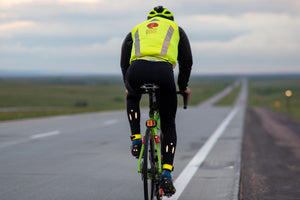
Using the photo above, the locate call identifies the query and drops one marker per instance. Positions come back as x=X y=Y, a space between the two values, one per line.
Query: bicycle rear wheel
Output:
x=152 y=166
x=145 y=164
x=148 y=167
x=155 y=175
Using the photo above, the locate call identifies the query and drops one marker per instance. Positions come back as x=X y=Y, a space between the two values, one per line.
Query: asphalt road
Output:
x=87 y=156
x=270 y=156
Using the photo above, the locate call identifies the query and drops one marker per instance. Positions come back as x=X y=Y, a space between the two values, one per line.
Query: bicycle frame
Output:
x=154 y=132
x=151 y=147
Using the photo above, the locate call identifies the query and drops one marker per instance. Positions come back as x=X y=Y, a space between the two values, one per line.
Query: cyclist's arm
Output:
x=185 y=61
x=125 y=54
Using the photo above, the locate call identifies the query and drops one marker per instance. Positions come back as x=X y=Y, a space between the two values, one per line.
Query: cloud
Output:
x=236 y=7
x=8 y=29
x=92 y=58
x=86 y=35
x=267 y=34
x=256 y=41
x=8 y=4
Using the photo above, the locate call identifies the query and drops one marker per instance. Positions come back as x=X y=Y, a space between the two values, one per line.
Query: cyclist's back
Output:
x=150 y=59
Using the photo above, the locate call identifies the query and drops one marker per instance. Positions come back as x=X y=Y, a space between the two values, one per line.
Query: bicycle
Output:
x=151 y=171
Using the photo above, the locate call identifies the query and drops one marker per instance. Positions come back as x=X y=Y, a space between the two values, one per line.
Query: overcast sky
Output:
x=85 y=36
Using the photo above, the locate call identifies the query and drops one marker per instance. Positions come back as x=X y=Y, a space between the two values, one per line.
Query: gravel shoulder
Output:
x=270 y=166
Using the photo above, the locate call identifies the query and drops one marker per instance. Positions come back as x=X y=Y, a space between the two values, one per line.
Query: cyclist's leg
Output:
x=168 y=105
x=167 y=102
x=139 y=73
x=167 y=116
x=160 y=73
x=133 y=109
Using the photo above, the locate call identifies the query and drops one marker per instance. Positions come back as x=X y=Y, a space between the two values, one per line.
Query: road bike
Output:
x=150 y=159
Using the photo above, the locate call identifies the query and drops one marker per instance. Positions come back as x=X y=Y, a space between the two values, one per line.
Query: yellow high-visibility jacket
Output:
x=155 y=38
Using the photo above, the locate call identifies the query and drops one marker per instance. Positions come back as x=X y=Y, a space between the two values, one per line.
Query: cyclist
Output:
x=149 y=54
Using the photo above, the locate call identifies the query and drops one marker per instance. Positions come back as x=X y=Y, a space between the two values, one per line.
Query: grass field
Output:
x=229 y=99
x=270 y=93
x=36 y=97
x=25 y=98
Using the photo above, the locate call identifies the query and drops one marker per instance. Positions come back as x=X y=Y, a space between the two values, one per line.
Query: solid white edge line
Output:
x=45 y=134
x=189 y=171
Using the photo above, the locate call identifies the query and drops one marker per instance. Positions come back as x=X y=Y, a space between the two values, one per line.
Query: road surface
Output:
x=87 y=156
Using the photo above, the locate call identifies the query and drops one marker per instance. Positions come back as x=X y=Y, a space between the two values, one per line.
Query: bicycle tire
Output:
x=145 y=164
x=149 y=168
x=152 y=166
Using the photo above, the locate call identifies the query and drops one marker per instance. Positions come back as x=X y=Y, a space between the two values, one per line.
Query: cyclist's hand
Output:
x=126 y=92
x=188 y=94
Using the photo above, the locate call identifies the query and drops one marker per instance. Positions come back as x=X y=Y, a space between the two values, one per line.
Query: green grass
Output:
x=270 y=93
x=56 y=96
x=46 y=99
x=229 y=99
x=203 y=88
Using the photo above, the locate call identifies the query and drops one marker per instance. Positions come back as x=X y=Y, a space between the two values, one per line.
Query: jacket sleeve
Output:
x=185 y=60
x=125 y=54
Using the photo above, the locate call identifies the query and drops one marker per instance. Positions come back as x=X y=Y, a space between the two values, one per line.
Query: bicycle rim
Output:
x=145 y=164
x=152 y=165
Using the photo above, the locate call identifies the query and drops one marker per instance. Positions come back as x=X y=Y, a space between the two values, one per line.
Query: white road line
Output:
x=37 y=136
x=110 y=122
x=189 y=171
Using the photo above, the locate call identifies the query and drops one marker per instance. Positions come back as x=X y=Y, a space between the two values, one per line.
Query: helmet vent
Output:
x=159 y=9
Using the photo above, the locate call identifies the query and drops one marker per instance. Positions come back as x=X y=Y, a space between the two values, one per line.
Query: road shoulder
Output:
x=270 y=156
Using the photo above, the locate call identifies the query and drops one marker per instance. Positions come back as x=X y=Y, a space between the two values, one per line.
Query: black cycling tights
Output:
x=159 y=73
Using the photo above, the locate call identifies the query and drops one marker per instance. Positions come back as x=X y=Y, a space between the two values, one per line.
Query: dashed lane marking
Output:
x=42 y=135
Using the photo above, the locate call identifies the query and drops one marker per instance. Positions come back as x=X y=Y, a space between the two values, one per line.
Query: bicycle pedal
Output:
x=168 y=188
x=168 y=195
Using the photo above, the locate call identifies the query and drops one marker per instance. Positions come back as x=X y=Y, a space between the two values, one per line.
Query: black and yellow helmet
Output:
x=160 y=11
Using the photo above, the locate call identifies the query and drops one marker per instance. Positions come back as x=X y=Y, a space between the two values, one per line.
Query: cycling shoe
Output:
x=136 y=148
x=167 y=184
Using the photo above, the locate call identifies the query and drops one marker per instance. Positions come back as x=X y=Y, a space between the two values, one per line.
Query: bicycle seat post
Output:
x=152 y=102
x=150 y=89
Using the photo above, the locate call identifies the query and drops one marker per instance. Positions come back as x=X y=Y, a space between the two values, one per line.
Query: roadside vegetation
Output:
x=36 y=97
x=278 y=93
x=272 y=93
x=229 y=99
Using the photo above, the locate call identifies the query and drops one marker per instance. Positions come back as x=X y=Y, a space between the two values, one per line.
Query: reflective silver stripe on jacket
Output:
x=166 y=43
x=164 y=48
x=137 y=43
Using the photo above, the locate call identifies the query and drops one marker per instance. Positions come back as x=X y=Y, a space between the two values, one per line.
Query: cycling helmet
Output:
x=160 y=11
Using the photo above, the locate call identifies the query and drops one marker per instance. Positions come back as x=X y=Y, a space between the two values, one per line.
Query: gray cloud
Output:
x=232 y=36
